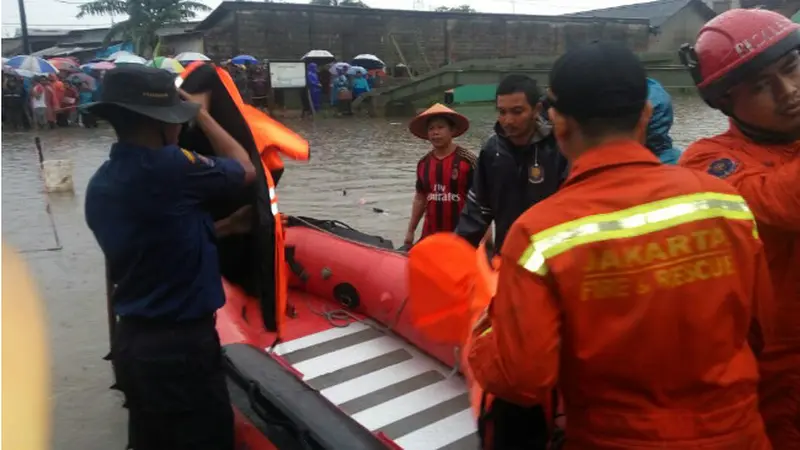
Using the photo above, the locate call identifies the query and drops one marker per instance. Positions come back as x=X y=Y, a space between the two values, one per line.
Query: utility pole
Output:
x=23 y=22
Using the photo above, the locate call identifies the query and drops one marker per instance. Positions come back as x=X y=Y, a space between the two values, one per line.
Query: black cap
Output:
x=598 y=80
x=143 y=90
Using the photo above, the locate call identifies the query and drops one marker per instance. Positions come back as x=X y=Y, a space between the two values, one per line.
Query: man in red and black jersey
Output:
x=444 y=175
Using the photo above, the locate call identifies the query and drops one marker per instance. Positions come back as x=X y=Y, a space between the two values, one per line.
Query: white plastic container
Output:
x=58 y=175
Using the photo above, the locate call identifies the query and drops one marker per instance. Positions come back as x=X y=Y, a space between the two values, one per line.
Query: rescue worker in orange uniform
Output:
x=746 y=65
x=634 y=286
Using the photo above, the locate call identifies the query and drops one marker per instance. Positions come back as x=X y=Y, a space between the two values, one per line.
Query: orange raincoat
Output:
x=639 y=302
x=768 y=177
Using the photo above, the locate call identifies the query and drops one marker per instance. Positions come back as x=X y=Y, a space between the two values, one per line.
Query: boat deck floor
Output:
x=386 y=385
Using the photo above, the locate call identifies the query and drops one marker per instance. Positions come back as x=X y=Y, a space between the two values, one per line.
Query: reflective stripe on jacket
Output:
x=638 y=302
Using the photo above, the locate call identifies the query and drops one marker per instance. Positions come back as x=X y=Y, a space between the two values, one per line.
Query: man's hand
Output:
x=201 y=98
x=239 y=222
x=242 y=220
x=409 y=239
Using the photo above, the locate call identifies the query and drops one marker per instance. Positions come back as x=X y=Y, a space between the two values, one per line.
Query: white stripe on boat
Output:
x=376 y=380
x=386 y=385
x=406 y=405
x=318 y=338
x=347 y=356
x=439 y=434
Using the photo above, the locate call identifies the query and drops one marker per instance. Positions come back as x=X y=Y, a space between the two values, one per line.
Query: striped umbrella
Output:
x=167 y=64
x=31 y=64
x=191 y=56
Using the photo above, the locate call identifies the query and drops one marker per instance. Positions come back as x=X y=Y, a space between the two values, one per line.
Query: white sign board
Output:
x=287 y=74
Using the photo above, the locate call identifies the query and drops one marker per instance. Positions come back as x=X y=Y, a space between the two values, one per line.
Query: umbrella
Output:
x=116 y=55
x=368 y=62
x=321 y=57
x=356 y=69
x=167 y=64
x=129 y=59
x=244 y=59
x=339 y=67
x=64 y=64
x=31 y=64
x=102 y=65
x=82 y=78
x=192 y=56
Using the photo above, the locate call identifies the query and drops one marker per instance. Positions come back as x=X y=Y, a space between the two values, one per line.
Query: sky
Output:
x=60 y=14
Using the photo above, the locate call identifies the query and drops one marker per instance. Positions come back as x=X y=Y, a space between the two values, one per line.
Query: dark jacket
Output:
x=504 y=185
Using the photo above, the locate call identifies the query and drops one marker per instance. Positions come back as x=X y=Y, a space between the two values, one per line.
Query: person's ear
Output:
x=560 y=124
x=644 y=121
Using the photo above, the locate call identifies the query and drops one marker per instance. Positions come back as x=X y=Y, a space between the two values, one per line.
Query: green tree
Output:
x=145 y=18
x=462 y=8
x=351 y=3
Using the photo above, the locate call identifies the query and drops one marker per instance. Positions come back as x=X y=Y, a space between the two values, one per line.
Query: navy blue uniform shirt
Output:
x=145 y=208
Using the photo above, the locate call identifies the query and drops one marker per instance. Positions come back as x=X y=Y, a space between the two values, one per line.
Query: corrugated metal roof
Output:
x=59 y=51
x=656 y=12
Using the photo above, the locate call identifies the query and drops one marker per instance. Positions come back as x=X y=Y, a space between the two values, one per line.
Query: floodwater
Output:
x=357 y=165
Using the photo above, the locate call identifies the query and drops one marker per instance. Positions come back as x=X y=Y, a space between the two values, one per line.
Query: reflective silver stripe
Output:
x=631 y=222
x=271 y=193
x=274 y=208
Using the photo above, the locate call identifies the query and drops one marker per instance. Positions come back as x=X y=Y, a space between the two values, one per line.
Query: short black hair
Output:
x=521 y=83
x=600 y=127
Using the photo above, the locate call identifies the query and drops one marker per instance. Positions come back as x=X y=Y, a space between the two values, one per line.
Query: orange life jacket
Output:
x=262 y=135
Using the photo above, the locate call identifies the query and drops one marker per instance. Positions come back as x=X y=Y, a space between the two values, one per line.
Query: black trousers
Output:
x=173 y=379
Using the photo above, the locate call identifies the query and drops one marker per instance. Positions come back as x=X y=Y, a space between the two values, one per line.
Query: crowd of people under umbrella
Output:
x=340 y=82
x=48 y=93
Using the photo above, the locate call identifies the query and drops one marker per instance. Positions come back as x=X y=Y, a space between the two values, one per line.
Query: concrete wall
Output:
x=679 y=29
x=179 y=43
x=425 y=40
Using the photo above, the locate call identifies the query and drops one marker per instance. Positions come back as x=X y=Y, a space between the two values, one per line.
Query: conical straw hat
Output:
x=419 y=125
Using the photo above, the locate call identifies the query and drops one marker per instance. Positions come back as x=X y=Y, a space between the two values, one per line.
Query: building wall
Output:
x=179 y=43
x=679 y=29
x=425 y=40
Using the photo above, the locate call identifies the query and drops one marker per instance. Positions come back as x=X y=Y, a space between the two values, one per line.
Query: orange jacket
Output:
x=633 y=287
x=768 y=177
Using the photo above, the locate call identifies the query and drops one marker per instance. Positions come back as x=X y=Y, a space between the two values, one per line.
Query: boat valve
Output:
x=326 y=273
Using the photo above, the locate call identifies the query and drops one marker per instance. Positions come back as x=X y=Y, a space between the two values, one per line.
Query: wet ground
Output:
x=356 y=165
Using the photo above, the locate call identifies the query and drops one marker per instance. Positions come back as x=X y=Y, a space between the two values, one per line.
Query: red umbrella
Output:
x=65 y=64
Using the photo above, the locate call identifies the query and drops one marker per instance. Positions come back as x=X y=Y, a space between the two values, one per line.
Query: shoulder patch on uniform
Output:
x=196 y=158
x=723 y=167
x=189 y=155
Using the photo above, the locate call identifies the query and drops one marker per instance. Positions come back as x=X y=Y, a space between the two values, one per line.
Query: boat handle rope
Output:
x=300 y=434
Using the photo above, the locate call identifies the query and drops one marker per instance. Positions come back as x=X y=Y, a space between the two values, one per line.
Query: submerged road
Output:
x=371 y=160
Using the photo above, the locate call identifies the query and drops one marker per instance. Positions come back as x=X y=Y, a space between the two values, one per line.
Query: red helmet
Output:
x=735 y=45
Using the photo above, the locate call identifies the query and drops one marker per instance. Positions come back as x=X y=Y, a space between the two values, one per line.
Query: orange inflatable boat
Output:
x=320 y=348
x=350 y=370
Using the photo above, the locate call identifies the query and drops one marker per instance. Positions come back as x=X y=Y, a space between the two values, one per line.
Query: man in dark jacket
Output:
x=517 y=167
